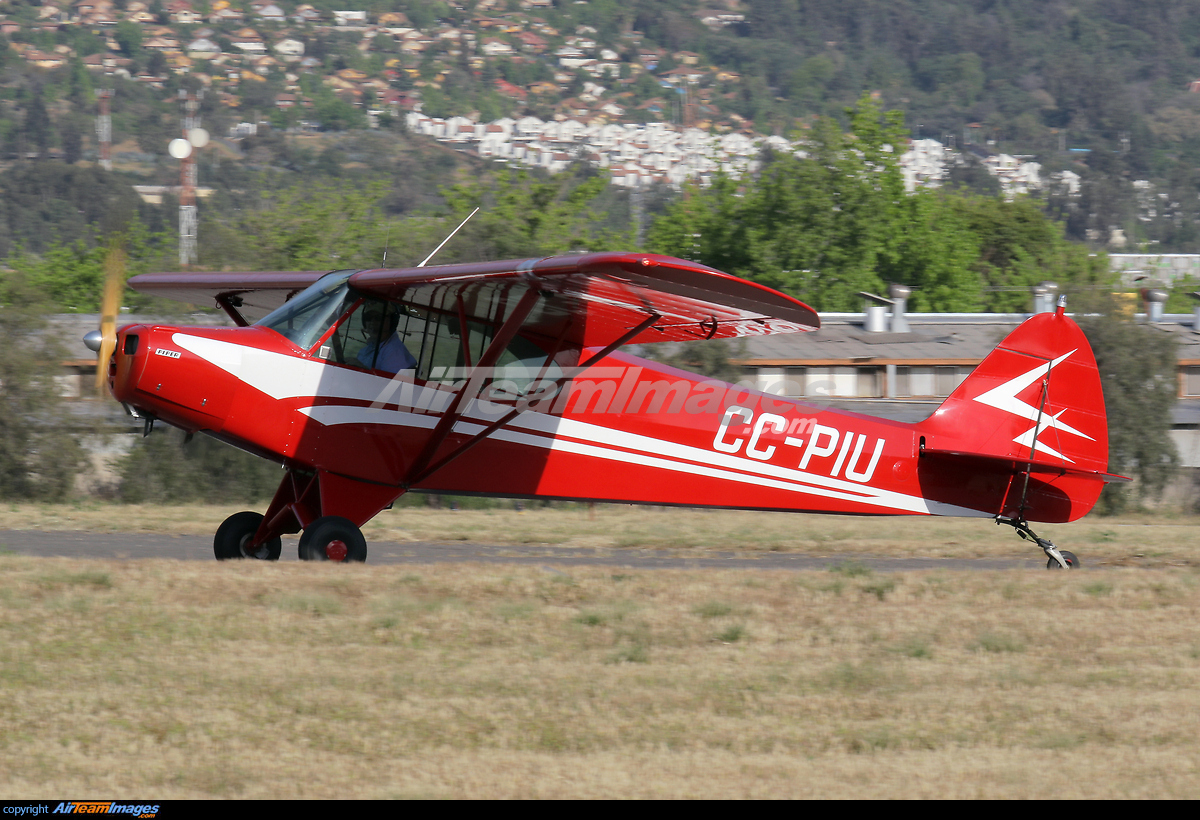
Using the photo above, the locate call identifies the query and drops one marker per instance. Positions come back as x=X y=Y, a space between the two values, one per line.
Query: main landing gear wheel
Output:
x=332 y=538
x=234 y=535
x=1069 y=557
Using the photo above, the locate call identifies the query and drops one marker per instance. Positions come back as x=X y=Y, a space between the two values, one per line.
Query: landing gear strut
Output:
x=1057 y=559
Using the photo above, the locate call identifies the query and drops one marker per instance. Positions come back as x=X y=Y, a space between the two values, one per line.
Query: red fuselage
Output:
x=624 y=429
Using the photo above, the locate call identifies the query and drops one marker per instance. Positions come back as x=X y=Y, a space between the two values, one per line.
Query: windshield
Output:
x=310 y=313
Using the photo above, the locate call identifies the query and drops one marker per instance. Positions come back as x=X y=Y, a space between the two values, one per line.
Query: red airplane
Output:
x=505 y=379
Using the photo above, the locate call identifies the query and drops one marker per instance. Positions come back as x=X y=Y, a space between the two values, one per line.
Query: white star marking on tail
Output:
x=1005 y=398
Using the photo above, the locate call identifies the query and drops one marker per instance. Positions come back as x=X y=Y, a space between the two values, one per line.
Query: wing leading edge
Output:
x=246 y=296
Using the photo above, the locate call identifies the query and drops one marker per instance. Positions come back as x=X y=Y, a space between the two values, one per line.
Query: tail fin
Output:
x=1033 y=409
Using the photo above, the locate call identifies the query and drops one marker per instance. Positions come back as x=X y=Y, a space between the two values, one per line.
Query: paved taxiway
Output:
x=199 y=548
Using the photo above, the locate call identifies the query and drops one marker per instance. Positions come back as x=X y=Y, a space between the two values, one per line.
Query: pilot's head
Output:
x=374 y=317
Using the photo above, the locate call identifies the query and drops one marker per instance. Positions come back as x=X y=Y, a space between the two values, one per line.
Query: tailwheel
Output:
x=234 y=537
x=332 y=538
x=1069 y=557
x=1053 y=553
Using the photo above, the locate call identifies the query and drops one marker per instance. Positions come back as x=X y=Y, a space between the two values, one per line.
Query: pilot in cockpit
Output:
x=384 y=350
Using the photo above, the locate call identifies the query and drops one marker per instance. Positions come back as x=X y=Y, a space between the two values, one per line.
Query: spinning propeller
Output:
x=103 y=340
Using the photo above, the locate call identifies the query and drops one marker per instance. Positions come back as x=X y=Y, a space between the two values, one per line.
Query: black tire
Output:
x=333 y=538
x=1069 y=557
x=233 y=537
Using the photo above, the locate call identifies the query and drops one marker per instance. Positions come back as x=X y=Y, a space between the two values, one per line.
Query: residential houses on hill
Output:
x=687 y=132
x=637 y=155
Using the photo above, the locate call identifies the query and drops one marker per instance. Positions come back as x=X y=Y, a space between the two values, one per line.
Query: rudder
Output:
x=1033 y=406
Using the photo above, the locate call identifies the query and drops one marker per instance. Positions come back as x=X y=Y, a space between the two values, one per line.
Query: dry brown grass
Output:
x=251 y=680
x=1130 y=540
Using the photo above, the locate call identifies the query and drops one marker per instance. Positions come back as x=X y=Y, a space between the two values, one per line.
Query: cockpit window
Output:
x=369 y=337
x=306 y=317
x=447 y=355
x=387 y=337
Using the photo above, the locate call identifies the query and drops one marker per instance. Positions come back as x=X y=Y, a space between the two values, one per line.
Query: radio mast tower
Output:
x=193 y=137
x=104 y=128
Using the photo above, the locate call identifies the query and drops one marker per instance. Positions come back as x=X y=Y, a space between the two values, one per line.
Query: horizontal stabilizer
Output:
x=1035 y=467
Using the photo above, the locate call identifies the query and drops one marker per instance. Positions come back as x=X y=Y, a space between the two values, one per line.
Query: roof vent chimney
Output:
x=1196 y=311
x=1155 y=302
x=875 y=320
x=1044 y=294
x=899 y=294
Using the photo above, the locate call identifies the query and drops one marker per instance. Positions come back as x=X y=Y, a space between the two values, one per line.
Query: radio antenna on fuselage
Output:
x=448 y=238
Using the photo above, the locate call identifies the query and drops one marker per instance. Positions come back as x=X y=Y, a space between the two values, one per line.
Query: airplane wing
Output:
x=589 y=299
x=245 y=296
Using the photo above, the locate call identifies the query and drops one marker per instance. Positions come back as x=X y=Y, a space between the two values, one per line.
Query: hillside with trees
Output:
x=1103 y=88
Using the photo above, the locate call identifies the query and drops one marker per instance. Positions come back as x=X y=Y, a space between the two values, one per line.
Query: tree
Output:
x=39 y=454
x=714 y=226
x=821 y=227
x=1019 y=247
x=72 y=140
x=37 y=122
x=837 y=221
x=833 y=218
x=307 y=227
x=522 y=215
x=1137 y=372
x=155 y=131
x=972 y=177
x=335 y=114
x=69 y=278
x=49 y=203
x=129 y=37
x=162 y=468
x=79 y=83
x=936 y=255
x=156 y=65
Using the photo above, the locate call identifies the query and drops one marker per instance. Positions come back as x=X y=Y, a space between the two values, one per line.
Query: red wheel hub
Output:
x=336 y=550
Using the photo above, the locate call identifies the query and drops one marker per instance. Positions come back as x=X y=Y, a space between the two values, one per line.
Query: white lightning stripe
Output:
x=1027 y=439
x=1005 y=398
x=282 y=376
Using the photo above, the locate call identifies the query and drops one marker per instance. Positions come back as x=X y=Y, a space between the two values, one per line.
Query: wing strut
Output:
x=474 y=384
x=230 y=302
x=516 y=411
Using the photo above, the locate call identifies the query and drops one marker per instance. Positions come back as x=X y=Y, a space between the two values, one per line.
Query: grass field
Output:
x=177 y=679
x=172 y=679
